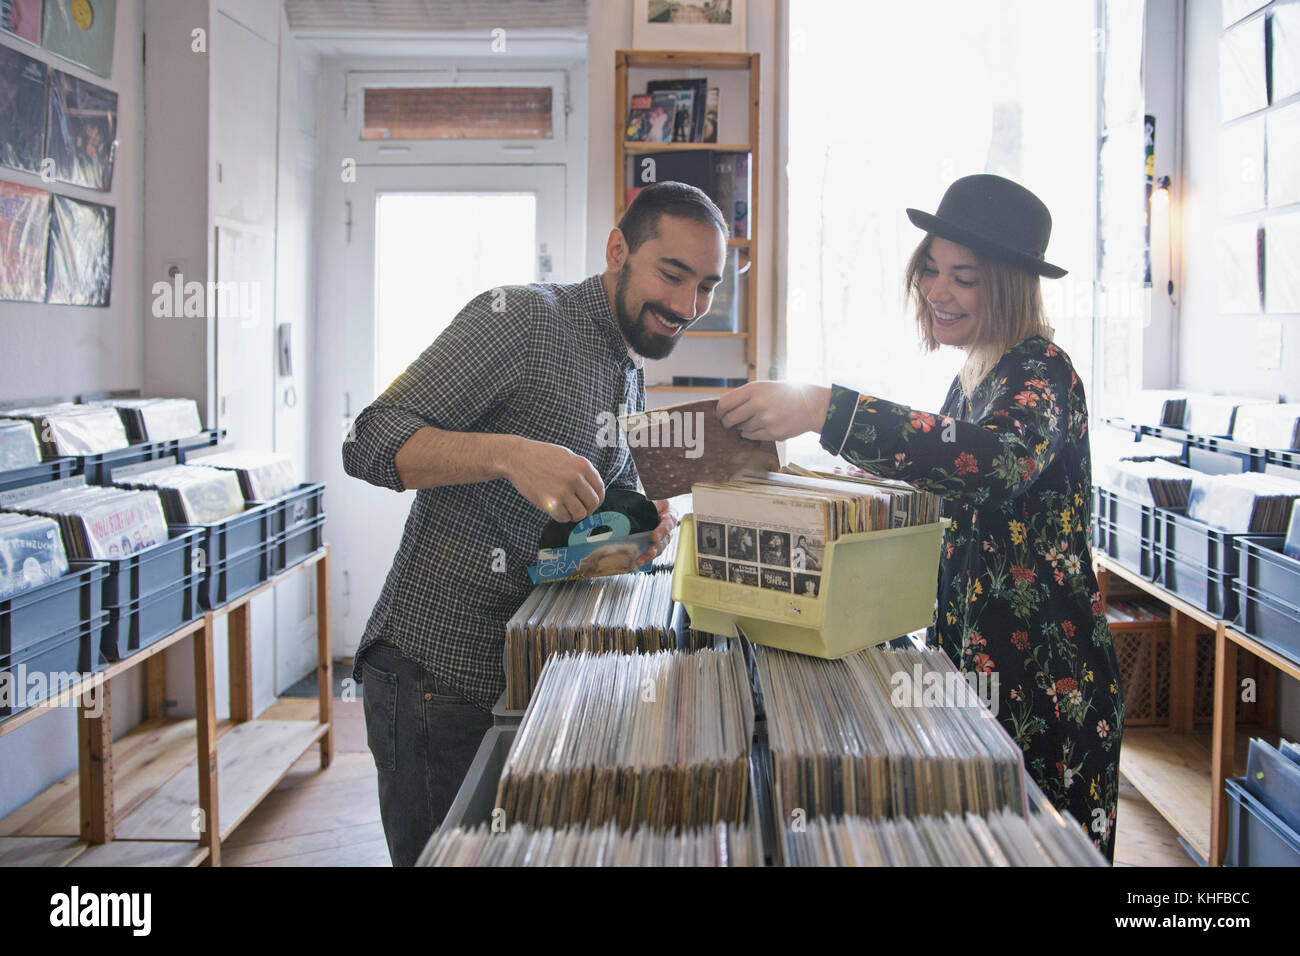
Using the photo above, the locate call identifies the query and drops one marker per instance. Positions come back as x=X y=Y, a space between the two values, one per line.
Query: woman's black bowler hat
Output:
x=995 y=217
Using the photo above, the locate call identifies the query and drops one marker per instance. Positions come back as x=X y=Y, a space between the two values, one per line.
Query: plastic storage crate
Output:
x=234 y=536
x=152 y=570
x=35 y=615
x=1263 y=566
x=874 y=587
x=60 y=658
x=504 y=716
x=1256 y=835
x=226 y=580
x=52 y=469
x=298 y=507
x=296 y=545
x=1275 y=624
x=1199 y=562
x=1129 y=532
x=98 y=469
x=137 y=624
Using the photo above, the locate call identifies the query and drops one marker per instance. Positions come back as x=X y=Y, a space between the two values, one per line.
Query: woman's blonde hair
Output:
x=1013 y=312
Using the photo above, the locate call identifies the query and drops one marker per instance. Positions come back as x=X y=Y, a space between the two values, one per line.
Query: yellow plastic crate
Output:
x=875 y=587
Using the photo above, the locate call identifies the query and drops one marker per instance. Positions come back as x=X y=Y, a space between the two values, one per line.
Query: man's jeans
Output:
x=423 y=736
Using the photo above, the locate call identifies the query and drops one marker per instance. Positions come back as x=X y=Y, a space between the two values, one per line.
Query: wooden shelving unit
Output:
x=169 y=791
x=1178 y=769
x=691 y=60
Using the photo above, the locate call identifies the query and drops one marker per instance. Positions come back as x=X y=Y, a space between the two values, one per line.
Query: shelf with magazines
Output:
x=736 y=122
x=147 y=798
x=1180 y=768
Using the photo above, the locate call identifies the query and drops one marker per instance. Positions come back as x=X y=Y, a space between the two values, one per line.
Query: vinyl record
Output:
x=622 y=512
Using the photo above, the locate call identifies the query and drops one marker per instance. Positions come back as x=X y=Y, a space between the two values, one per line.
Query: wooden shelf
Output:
x=253 y=757
x=1174 y=773
x=1245 y=641
x=684 y=59
x=142 y=799
x=639 y=148
x=1103 y=562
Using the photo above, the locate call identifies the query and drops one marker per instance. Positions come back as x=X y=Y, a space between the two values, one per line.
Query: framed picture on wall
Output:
x=689 y=25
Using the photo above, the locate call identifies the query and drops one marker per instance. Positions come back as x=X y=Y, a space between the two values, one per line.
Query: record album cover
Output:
x=81 y=31
x=24 y=238
x=81 y=252
x=81 y=134
x=21 y=18
x=22 y=110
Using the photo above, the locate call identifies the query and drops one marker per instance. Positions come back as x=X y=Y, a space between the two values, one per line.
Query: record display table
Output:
x=1180 y=770
x=151 y=797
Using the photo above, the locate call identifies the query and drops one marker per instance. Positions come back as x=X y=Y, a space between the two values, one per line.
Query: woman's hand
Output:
x=659 y=537
x=774 y=411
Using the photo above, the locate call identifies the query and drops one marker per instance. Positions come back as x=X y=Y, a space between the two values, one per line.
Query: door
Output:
x=421 y=241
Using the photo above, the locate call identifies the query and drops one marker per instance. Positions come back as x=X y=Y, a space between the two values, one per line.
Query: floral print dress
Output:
x=1017 y=598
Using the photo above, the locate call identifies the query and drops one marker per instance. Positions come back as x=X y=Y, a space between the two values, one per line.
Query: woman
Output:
x=1009 y=454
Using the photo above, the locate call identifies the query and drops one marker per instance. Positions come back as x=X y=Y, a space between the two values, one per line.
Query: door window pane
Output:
x=457 y=112
x=433 y=253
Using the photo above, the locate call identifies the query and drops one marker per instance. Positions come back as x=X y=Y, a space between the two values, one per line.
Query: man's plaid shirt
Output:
x=550 y=364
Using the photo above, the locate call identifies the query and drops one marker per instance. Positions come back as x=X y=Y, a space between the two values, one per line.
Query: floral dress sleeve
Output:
x=1019 y=427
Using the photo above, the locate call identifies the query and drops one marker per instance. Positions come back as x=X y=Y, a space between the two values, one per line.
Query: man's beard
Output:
x=646 y=343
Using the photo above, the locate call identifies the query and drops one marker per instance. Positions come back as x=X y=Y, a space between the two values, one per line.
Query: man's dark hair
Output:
x=641 y=221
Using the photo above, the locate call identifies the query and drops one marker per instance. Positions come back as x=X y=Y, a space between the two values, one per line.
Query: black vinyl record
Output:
x=623 y=512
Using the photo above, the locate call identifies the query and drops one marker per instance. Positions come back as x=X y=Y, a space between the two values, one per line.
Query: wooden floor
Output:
x=316 y=817
x=331 y=817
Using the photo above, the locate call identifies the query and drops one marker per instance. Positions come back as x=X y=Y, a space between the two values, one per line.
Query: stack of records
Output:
x=723 y=844
x=1152 y=481
x=1126 y=611
x=1268 y=426
x=884 y=734
x=156 y=419
x=18 y=445
x=192 y=494
x=659 y=740
x=263 y=476
x=1156 y=407
x=1215 y=414
x=1248 y=502
x=102 y=523
x=623 y=612
x=68 y=429
x=1001 y=838
x=31 y=553
x=770 y=529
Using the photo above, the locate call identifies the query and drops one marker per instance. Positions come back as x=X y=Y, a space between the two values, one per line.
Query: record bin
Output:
x=1129 y=532
x=61 y=658
x=98 y=468
x=297 y=507
x=1268 y=594
x=1199 y=562
x=51 y=469
x=134 y=625
x=226 y=580
x=875 y=586
x=56 y=607
x=1256 y=835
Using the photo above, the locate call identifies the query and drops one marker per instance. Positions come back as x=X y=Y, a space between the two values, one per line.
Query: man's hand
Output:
x=564 y=485
x=662 y=532
x=774 y=411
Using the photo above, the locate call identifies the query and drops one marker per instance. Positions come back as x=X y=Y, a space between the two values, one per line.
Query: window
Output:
x=889 y=103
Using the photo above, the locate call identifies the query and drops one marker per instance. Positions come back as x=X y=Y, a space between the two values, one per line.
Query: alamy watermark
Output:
x=922 y=688
x=652 y=429
x=21 y=689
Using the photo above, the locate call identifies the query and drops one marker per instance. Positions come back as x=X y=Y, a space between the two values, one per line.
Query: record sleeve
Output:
x=31 y=553
x=21 y=18
x=81 y=31
x=22 y=110
x=81 y=253
x=24 y=240
x=18 y=445
x=81 y=131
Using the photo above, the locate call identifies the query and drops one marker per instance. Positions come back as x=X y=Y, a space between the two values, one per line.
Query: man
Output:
x=497 y=425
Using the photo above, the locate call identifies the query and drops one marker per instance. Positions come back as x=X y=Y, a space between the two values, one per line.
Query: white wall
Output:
x=63 y=351
x=60 y=350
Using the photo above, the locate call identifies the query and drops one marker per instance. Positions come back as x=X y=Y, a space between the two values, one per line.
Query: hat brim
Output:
x=947 y=230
